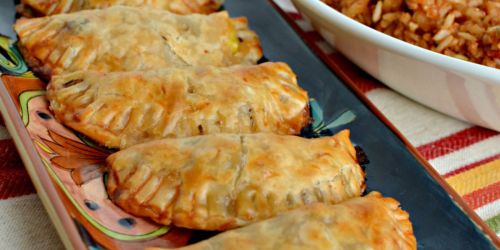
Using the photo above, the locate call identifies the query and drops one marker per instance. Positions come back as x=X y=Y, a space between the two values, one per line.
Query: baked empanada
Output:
x=51 y=7
x=223 y=181
x=122 y=109
x=370 y=222
x=125 y=39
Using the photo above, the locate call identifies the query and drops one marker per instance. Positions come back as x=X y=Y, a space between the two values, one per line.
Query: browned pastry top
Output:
x=126 y=39
x=122 y=109
x=223 y=181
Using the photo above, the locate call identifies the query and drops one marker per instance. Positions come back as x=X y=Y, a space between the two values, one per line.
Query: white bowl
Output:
x=465 y=90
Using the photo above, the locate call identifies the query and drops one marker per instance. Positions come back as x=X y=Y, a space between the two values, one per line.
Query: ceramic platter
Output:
x=68 y=173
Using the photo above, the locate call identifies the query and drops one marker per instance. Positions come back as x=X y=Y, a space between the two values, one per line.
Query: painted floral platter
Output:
x=69 y=173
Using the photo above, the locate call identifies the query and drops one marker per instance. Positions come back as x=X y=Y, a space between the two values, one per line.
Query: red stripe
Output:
x=366 y=86
x=14 y=180
x=483 y=196
x=294 y=15
x=473 y=165
x=455 y=142
x=314 y=36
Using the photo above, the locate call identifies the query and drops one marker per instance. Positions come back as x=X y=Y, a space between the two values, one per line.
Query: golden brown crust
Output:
x=51 y=7
x=122 y=109
x=370 y=222
x=223 y=181
x=125 y=39
x=36 y=65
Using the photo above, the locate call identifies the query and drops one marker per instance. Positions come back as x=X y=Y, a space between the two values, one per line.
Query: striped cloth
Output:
x=468 y=157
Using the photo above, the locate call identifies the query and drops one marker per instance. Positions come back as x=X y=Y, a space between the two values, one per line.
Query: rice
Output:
x=464 y=29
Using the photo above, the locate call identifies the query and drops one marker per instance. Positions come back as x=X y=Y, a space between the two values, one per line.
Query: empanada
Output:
x=223 y=181
x=51 y=7
x=125 y=39
x=126 y=108
x=370 y=222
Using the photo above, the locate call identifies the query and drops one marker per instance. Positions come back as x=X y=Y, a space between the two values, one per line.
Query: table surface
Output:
x=467 y=156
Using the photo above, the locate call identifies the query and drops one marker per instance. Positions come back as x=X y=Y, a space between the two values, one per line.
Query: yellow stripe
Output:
x=43 y=147
x=476 y=178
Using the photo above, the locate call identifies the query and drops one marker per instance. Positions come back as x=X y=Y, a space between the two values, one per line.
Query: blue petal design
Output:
x=319 y=128
x=127 y=222
x=317 y=114
x=44 y=115
x=345 y=118
x=91 y=205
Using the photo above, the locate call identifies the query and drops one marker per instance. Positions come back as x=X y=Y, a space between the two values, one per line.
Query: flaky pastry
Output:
x=223 y=181
x=122 y=109
x=52 y=7
x=370 y=222
x=126 y=39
